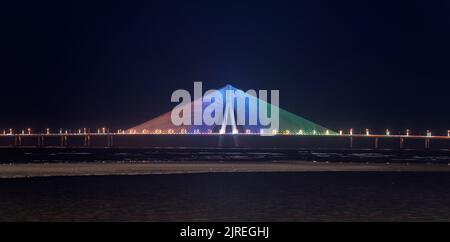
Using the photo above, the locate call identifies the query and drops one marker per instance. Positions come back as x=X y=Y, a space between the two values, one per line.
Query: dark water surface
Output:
x=57 y=155
x=307 y=196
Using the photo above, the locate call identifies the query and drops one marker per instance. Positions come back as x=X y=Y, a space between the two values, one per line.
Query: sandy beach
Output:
x=88 y=169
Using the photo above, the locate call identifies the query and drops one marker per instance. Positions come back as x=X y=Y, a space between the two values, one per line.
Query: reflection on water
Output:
x=32 y=155
x=321 y=196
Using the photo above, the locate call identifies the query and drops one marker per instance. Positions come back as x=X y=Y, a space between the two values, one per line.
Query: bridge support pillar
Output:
x=87 y=140
x=351 y=142
x=64 y=140
x=427 y=143
x=40 y=140
x=376 y=143
x=402 y=143
x=110 y=140
x=17 y=140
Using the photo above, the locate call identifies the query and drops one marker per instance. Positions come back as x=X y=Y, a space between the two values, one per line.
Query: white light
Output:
x=314 y=132
x=327 y=132
x=388 y=132
x=301 y=132
x=351 y=131
x=340 y=132
x=235 y=131
x=274 y=131
x=287 y=132
x=248 y=131
x=407 y=132
x=367 y=132
x=429 y=133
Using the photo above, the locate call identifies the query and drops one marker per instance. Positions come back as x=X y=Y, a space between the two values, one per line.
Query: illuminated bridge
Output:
x=294 y=132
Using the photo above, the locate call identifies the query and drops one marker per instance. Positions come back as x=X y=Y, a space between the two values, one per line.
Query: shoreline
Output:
x=28 y=170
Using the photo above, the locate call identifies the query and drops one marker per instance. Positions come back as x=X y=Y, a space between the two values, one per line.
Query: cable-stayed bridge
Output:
x=293 y=131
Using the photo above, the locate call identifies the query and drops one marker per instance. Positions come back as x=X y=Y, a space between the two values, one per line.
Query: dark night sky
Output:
x=383 y=64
